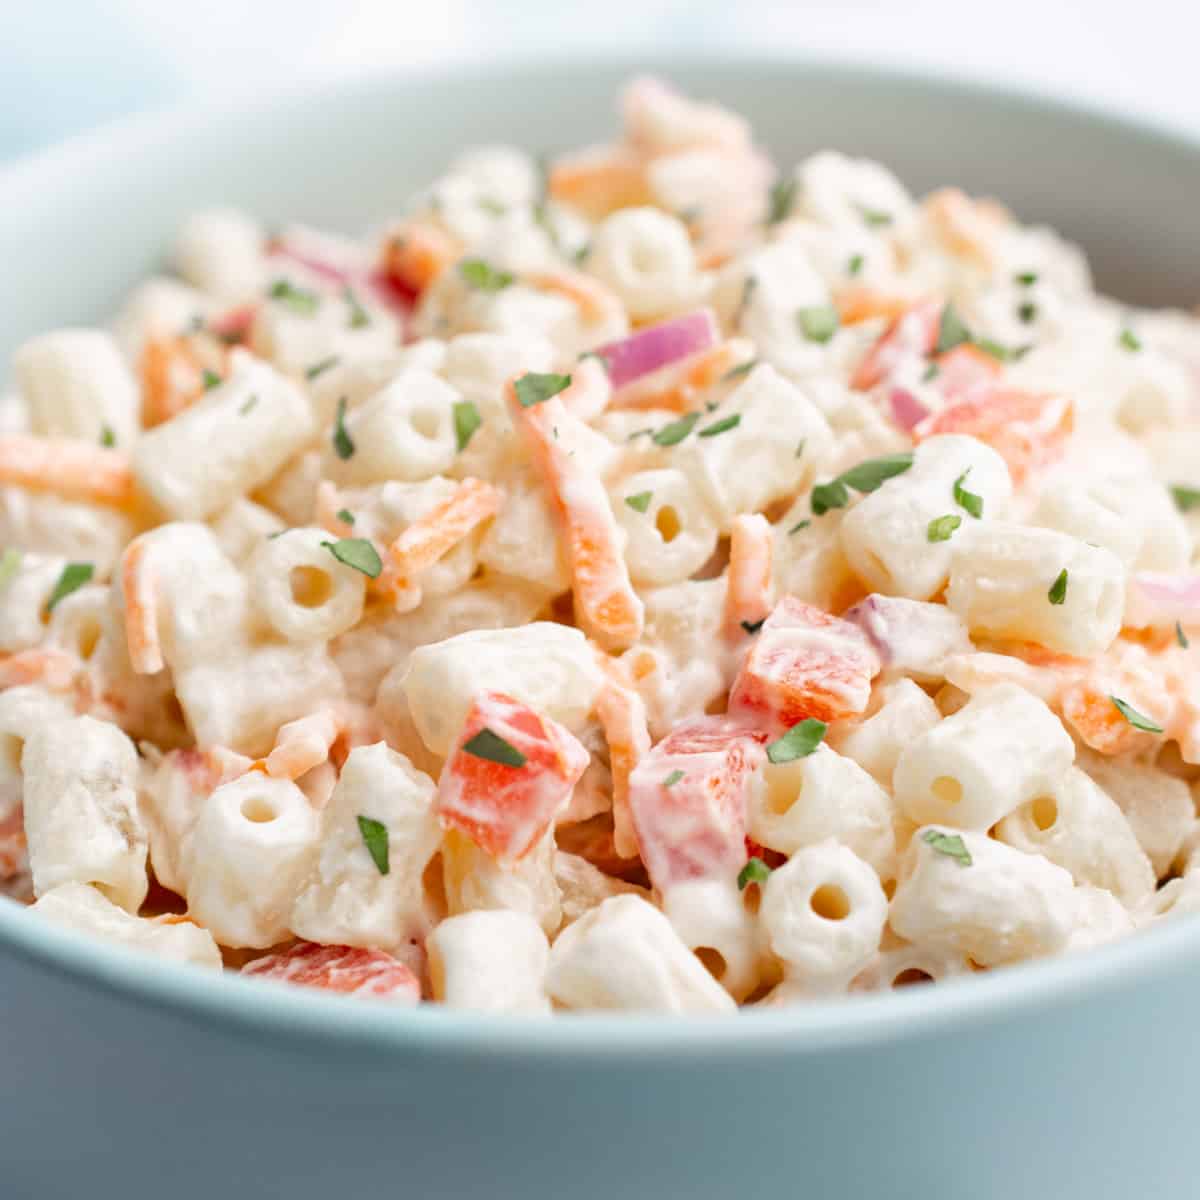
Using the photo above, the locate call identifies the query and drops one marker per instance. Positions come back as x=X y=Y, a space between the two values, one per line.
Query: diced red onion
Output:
x=649 y=349
x=912 y=636
x=1157 y=598
x=907 y=411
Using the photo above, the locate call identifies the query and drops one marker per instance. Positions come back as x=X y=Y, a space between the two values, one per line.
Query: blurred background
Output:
x=67 y=65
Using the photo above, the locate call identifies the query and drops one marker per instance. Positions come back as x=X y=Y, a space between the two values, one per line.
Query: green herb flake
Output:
x=74 y=576
x=535 y=388
x=211 y=379
x=1058 y=589
x=949 y=844
x=940 y=528
x=752 y=627
x=967 y=500
x=869 y=475
x=640 y=502
x=854 y=265
x=375 y=838
x=491 y=206
x=1026 y=278
x=10 y=564
x=1134 y=717
x=466 y=421
x=818 y=323
x=829 y=495
x=755 y=871
x=799 y=525
x=359 y=317
x=800 y=448
x=1129 y=340
x=1027 y=311
x=345 y=516
x=673 y=434
x=724 y=425
x=799 y=742
x=343 y=443
x=996 y=350
x=672 y=779
x=1186 y=498
x=874 y=217
x=1180 y=636
x=108 y=439
x=740 y=371
x=247 y=405
x=357 y=553
x=483 y=277
x=748 y=290
x=931 y=372
x=301 y=301
x=951 y=331
x=865 y=477
x=493 y=748
x=779 y=203
x=319 y=368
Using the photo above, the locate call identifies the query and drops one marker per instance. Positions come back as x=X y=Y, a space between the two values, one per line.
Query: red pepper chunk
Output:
x=506 y=808
x=804 y=663
x=688 y=800
x=349 y=970
x=1026 y=429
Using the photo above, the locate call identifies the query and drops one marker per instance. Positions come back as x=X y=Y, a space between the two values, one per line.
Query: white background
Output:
x=69 y=64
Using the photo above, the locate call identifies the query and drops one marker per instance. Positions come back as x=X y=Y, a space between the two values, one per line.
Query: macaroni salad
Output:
x=638 y=580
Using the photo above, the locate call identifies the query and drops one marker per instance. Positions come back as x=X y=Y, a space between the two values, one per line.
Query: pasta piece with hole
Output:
x=301 y=591
x=625 y=956
x=823 y=914
x=669 y=531
x=1002 y=749
x=252 y=848
x=1080 y=828
x=820 y=797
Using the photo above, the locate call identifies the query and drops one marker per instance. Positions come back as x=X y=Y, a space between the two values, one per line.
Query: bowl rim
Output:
x=264 y=1012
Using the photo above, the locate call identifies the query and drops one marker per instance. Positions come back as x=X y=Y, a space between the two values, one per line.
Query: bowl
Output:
x=1075 y=1078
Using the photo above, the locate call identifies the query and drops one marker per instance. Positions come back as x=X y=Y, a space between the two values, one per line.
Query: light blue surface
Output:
x=1075 y=1079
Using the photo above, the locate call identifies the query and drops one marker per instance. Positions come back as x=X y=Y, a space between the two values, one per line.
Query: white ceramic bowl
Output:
x=1074 y=1079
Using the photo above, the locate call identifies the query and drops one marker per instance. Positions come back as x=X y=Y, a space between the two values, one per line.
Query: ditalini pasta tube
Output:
x=1016 y=581
x=1000 y=750
x=490 y=962
x=226 y=444
x=77 y=385
x=85 y=908
x=81 y=813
